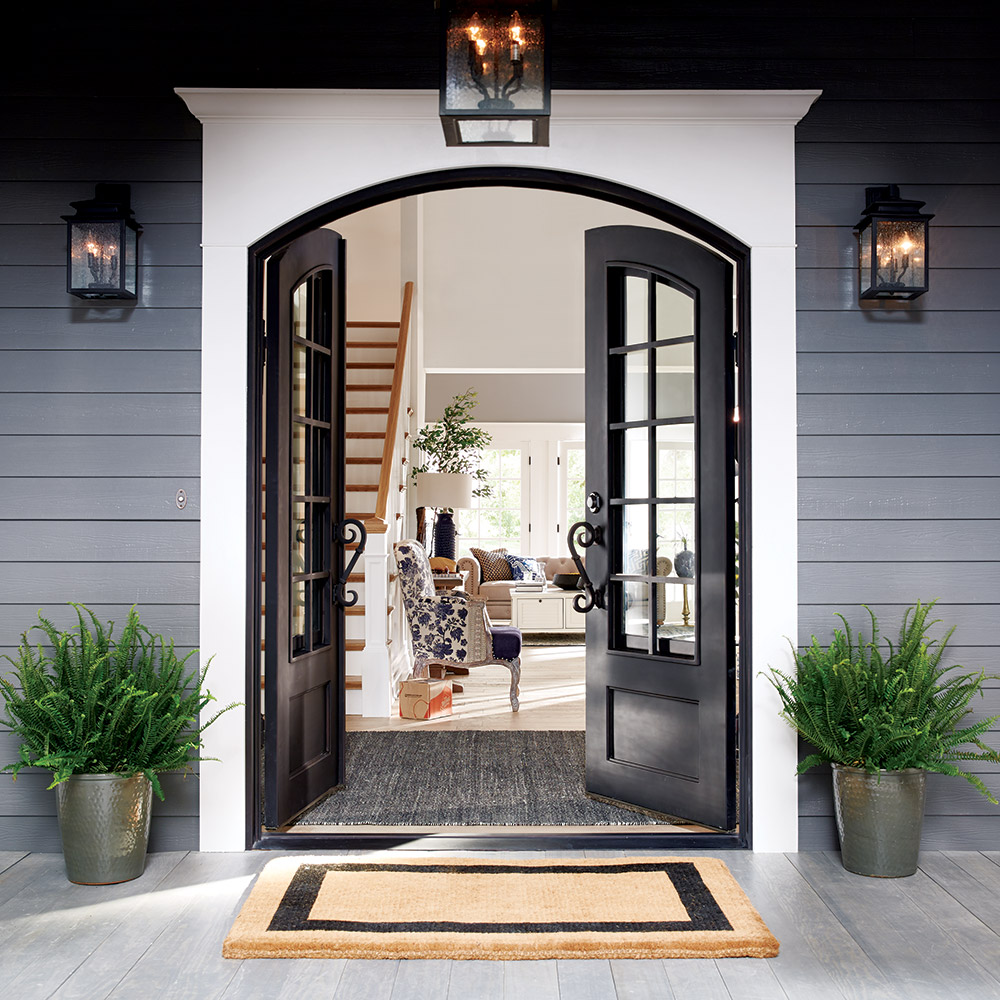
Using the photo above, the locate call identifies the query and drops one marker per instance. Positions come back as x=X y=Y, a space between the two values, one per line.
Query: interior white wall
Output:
x=504 y=276
x=727 y=156
x=374 y=261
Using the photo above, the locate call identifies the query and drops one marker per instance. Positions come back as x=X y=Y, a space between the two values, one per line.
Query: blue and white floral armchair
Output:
x=451 y=627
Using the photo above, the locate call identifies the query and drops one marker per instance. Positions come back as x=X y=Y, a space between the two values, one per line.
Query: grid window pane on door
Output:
x=653 y=463
x=311 y=562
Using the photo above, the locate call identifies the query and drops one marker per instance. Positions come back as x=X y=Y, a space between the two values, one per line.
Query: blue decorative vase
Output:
x=684 y=561
x=444 y=535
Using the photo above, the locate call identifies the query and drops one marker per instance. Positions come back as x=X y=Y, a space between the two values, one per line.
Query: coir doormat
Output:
x=467 y=908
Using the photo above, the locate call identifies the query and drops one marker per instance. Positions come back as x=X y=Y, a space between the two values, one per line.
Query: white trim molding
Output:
x=271 y=155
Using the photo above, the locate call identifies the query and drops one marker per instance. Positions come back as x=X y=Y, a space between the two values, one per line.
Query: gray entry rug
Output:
x=467 y=778
x=554 y=638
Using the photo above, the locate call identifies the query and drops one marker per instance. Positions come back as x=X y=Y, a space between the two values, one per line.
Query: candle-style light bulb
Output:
x=517 y=42
x=475 y=28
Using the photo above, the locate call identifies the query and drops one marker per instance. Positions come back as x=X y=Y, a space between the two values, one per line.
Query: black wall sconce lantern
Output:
x=495 y=87
x=894 y=244
x=102 y=249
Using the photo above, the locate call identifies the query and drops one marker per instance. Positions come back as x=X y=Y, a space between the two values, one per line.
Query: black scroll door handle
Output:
x=592 y=597
x=349 y=530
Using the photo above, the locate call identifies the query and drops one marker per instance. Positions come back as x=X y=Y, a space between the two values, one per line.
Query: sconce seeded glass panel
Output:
x=495 y=77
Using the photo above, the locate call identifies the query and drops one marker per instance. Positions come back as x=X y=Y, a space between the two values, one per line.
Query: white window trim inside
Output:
x=271 y=155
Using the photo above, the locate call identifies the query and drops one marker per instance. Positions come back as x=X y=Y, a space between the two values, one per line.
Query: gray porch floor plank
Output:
x=585 y=979
x=365 y=979
x=421 y=979
x=185 y=958
x=843 y=937
x=8 y=858
x=910 y=949
x=696 y=979
x=289 y=979
x=640 y=979
x=818 y=959
x=482 y=980
x=537 y=980
x=43 y=952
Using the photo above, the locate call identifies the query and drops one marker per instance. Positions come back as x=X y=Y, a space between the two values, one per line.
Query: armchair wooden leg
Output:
x=515 y=682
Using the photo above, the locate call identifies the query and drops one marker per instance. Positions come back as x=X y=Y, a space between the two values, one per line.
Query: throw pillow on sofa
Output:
x=494 y=564
x=525 y=568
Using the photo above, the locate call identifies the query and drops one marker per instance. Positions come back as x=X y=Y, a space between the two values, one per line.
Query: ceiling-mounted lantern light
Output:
x=495 y=87
x=893 y=245
x=102 y=256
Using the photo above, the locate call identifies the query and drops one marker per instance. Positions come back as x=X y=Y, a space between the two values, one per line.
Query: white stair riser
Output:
x=368 y=376
x=353 y=702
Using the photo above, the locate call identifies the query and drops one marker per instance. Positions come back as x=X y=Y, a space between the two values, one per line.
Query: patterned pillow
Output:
x=525 y=568
x=494 y=564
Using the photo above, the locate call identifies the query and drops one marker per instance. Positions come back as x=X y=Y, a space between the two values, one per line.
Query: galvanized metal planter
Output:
x=879 y=817
x=104 y=822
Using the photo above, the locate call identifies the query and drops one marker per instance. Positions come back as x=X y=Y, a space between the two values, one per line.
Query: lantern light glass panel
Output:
x=495 y=76
x=102 y=259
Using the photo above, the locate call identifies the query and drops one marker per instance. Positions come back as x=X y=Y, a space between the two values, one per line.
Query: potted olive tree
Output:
x=106 y=716
x=882 y=720
x=450 y=472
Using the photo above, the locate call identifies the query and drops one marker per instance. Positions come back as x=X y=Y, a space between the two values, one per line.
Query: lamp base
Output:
x=444 y=535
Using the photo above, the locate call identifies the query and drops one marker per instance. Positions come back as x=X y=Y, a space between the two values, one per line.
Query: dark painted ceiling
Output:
x=849 y=48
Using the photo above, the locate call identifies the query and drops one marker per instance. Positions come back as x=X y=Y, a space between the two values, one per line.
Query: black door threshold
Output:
x=458 y=841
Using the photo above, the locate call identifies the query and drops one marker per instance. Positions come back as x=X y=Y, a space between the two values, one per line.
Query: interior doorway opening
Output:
x=537 y=499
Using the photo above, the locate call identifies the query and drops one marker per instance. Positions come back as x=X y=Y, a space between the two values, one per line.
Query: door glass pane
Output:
x=319 y=395
x=300 y=311
x=320 y=538
x=298 y=553
x=635 y=539
x=676 y=632
x=674 y=312
x=675 y=460
x=300 y=361
x=636 y=309
x=675 y=380
x=635 y=614
x=636 y=462
x=299 y=432
x=637 y=385
x=320 y=617
x=675 y=535
x=320 y=462
x=298 y=606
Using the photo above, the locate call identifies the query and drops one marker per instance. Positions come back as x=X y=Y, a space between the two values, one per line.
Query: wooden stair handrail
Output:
x=392 y=419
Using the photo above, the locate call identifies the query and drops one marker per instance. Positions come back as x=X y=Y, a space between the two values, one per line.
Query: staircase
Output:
x=376 y=428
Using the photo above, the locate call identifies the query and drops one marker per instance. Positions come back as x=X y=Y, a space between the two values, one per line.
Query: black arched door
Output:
x=661 y=658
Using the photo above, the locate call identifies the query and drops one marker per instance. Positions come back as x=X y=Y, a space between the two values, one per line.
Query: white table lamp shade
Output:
x=445 y=489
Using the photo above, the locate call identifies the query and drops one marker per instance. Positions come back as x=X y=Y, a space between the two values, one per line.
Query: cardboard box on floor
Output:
x=424 y=699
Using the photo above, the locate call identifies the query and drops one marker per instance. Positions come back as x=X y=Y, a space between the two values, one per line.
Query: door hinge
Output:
x=529 y=460
x=558 y=460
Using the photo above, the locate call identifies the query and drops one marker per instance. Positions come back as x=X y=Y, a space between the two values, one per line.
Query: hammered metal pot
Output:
x=879 y=817
x=104 y=822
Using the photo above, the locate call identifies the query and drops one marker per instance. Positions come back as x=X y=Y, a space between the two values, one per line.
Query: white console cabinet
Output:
x=549 y=610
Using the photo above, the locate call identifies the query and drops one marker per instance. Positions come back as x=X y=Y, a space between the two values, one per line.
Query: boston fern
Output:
x=861 y=708
x=86 y=703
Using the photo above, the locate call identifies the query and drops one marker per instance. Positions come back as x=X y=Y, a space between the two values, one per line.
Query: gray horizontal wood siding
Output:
x=899 y=410
x=100 y=405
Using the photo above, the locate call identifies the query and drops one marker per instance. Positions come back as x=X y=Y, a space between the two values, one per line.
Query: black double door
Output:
x=304 y=490
x=660 y=498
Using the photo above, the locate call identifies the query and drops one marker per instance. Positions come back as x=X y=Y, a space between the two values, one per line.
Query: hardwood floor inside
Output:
x=552 y=697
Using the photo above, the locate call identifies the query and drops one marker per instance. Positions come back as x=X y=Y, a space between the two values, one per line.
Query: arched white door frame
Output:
x=272 y=156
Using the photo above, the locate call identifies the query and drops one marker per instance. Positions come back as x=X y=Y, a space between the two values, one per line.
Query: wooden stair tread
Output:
x=354 y=645
x=367 y=409
x=368 y=387
x=362 y=488
x=356 y=578
x=381 y=345
x=352 y=682
x=360 y=516
x=371 y=365
x=353 y=460
x=357 y=609
x=364 y=435
x=365 y=324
